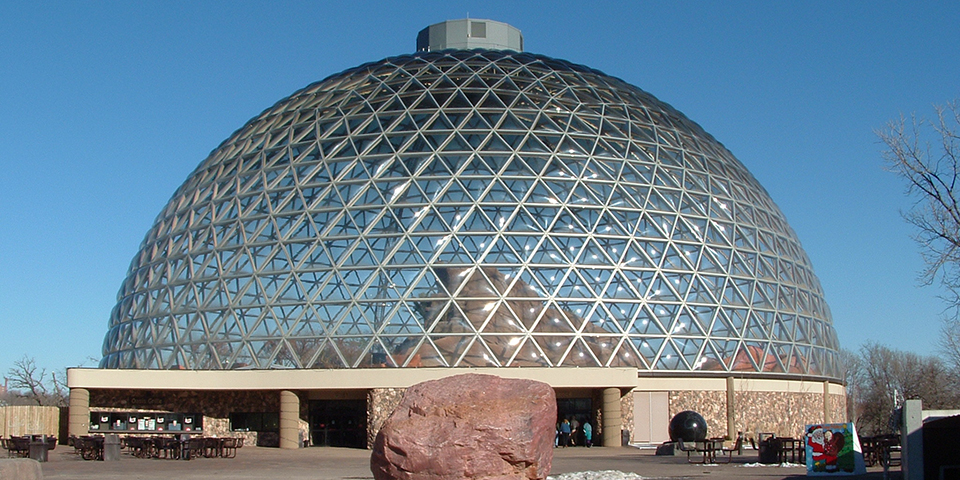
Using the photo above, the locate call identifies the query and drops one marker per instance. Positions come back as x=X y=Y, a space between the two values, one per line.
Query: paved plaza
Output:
x=320 y=463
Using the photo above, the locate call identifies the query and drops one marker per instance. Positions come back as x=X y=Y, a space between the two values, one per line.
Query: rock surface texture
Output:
x=20 y=469
x=468 y=427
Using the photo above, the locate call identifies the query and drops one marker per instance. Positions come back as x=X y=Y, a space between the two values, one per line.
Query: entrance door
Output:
x=651 y=417
x=577 y=411
x=338 y=423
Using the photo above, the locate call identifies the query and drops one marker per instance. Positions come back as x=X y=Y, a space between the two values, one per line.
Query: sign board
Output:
x=833 y=449
x=151 y=422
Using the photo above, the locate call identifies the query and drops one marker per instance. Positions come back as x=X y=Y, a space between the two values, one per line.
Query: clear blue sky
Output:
x=106 y=106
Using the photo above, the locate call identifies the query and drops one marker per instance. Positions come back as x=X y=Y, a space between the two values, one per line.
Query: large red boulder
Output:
x=468 y=427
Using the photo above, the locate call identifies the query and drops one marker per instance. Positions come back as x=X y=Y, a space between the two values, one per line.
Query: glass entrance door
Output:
x=338 y=423
x=576 y=411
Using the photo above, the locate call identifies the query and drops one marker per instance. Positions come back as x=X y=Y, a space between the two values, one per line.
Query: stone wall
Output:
x=381 y=402
x=626 y=413
x=219 y=403
x=711 y=404
x=837 y=405
x=596 y=401
x=781 y=413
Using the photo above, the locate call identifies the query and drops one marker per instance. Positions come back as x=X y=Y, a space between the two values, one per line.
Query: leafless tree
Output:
x=34 y=385
x=852 y=375
x=950 y=342
x=880 y=378
x=927 y=155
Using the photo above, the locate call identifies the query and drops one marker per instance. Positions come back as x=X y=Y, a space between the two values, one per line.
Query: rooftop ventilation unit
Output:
x=468 y=34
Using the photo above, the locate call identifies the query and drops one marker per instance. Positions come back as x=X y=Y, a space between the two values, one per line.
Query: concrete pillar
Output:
x=911 y=440
x=731 y=410
x=380 y=404
x=826 y=402
x=79 y=420
x=612 y=423
x=289 y=420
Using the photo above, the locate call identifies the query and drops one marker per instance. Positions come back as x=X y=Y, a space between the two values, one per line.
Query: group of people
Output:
x=571 y=432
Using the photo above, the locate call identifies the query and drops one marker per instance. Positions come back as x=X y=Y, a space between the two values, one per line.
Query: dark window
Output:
x=255 y=422
x=478 y=29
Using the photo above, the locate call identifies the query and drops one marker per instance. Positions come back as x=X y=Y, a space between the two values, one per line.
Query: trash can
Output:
x=39 y=447
x=111 y=447
x=184 y=439
x=767 y=451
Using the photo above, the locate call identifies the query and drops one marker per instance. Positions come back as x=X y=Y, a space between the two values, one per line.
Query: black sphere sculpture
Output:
x=689 y=426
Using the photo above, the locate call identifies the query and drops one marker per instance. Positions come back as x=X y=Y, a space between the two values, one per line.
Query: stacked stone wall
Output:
x=214 y=403
x=596 y=400
x=781 y=413
x=626 y=413
x=712 y=405
x=381 y=402
x=837 y=406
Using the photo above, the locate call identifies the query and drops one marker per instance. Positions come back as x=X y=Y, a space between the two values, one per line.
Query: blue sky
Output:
x=105 y=107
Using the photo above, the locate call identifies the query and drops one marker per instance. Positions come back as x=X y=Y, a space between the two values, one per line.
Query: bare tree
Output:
x=852 y=374
x=927 y=155
x=950 y=342
x=880 y=378
x=34 y=385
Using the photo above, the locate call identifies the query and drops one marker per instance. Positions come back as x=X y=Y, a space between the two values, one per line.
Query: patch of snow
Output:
x=596 y=475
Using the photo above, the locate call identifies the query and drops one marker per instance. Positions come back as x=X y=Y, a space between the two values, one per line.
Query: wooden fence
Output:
x=29 y=420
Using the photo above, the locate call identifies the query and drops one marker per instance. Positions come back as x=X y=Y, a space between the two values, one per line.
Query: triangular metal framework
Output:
x=472 y=208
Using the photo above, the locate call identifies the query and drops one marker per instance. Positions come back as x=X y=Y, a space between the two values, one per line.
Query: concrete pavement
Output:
x=324 y=463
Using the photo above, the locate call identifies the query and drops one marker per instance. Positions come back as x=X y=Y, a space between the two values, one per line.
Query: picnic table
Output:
x=707 y=448
x=16 y=446
x=789 y=449
x=20 y=446
x=880 y=450
x=773 y=449
x=183 y=448
x=89 y=447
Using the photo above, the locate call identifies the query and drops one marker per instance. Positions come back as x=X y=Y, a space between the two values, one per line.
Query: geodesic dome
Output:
x=472 y=208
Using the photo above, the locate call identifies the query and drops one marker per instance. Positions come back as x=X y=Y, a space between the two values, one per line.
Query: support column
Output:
x=612 y=423
x=79 y=419
x=289 y=420
x=911 y=440
x=826 y=402
x=731 y=410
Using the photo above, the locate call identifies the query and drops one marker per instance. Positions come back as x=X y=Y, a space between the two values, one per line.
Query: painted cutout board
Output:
x=833 y=449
